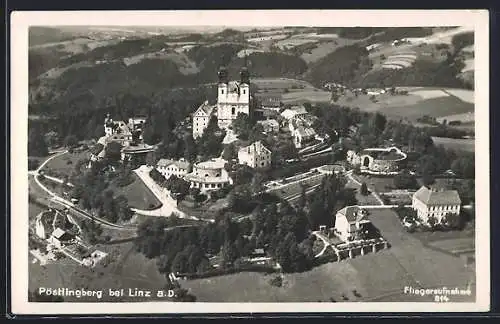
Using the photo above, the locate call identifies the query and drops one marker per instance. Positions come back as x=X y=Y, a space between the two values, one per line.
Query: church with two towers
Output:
x=233 y=97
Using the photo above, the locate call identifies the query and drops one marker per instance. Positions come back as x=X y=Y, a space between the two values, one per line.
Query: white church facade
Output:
x=233 y=98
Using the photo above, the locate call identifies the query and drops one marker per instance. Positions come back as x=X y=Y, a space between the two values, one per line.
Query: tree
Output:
x=229 y=152
x=242 y=125
x=452 y=221
x=36 y=143
x=229 y=254
x=257 y=183
x=428 y=179
x=113 y=152
x=405 y=181
x=70 y=141
x=363 y=189
x=432 y=221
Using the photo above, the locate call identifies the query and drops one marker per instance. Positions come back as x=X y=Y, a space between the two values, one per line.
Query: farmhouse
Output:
x=431 y=203
x=256 y=155
x=59 y=238
x=209 y=175
x=171 y=167
x=350 y=222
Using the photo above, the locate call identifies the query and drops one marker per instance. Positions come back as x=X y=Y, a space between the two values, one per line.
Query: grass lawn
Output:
x=64 y=164
x=138 y=194
x=362 y=200
x=381 y=184
x=126 y=269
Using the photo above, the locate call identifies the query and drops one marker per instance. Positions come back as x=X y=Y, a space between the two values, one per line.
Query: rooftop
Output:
x=256 y=147
x=205 y=108
x=181 y=164
x=216 y=163
x=433 y=198
x=353 y=214
x=138 y=148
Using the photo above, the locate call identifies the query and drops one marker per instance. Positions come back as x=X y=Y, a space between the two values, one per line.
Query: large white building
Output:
x=209 y=175
x=233 y=97
x=255 y=155
x=171 y=167
x=432 y=203
x=201 y=117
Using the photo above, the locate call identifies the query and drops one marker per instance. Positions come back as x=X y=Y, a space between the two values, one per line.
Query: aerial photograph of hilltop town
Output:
x=251 y=164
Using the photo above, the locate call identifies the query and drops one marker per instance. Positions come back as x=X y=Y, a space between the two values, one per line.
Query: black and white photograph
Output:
x=268 y=160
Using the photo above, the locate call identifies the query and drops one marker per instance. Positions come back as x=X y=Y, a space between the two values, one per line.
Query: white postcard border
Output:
x=20 y=21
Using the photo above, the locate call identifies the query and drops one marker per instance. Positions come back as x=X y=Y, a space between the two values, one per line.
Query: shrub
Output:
x=276 y=281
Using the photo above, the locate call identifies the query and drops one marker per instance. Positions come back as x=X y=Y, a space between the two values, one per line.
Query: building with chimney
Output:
x=350 y=222
x=433 y=203
x=255 y=155
x=201 y=117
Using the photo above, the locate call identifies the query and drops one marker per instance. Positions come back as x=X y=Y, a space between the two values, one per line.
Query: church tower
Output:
x=233 y=97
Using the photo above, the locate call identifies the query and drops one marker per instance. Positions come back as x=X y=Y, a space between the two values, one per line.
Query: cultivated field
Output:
x=299 y=97
x=411 y=106
x=464 y=144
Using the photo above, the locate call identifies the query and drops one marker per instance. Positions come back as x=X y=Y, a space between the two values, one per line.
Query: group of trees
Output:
x=324 y=201
x=177 y=186
x=91 y=188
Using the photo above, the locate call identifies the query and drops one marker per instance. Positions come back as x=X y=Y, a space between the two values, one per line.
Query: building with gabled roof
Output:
x=168 y=167
x=349 y=222
x=201 y=117
x=303 y=135
x=255 y=155
x=432 y=203
x=270 y=125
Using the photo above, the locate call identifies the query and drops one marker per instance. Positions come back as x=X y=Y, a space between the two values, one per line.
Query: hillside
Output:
x=43 y=35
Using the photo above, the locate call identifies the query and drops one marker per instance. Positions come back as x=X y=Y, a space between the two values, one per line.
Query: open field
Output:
x=185 y=65
x=138 y=195
x=126 y=269
x=299 y=97
x=412 y=106
x=64 y=164
x=464 y=144
x=280 y=84
x=362 y=200
x=379 y=276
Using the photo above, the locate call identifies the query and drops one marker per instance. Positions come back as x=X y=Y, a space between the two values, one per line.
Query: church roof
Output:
x=433 y=198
